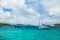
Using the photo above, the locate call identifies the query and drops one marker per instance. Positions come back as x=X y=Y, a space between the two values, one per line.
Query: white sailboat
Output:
x=41 y=25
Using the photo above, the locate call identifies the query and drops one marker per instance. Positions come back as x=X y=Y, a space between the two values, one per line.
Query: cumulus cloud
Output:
x=29 y=11
x=53 y=6
x=20 y=13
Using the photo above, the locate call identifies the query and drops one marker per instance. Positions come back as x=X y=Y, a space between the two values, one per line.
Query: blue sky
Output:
x=29 y=11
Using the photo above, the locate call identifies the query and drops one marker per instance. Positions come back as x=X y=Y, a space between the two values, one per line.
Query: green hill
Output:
x=56 y=24
x=4 y=24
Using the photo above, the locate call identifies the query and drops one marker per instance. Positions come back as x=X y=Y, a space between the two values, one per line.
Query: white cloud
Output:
x=55 y=11
x=53 y=6
x=20 y=9
x=23 y=14
x=8 y=14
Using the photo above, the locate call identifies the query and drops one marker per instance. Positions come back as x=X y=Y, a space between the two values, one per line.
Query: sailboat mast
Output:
x=40 y=20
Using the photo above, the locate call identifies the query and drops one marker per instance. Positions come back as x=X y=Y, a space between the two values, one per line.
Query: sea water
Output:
x=11 y=33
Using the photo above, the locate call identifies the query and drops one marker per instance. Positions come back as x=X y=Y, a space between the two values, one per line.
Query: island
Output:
x=56 y=25
x=5 y=24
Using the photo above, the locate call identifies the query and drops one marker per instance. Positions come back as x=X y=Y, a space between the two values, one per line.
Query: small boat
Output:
x=43 y=27
x=18 y=25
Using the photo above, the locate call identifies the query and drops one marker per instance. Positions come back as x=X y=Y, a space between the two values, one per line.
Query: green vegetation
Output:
x=4 y=24
x=56 y=24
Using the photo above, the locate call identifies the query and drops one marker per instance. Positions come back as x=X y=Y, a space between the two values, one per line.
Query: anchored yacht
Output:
x=41 y=25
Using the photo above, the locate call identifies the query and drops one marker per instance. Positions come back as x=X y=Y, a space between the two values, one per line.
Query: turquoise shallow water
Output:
x=29 y=34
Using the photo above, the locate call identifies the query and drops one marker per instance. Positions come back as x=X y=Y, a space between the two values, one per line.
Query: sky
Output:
x=30 y=11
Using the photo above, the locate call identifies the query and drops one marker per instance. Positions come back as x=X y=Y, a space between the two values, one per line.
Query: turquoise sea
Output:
x=11 y=33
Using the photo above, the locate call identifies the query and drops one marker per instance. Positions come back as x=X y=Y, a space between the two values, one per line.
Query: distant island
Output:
x=29 y=26
x=56 y=24
x=5 y=24
x=19 y=25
